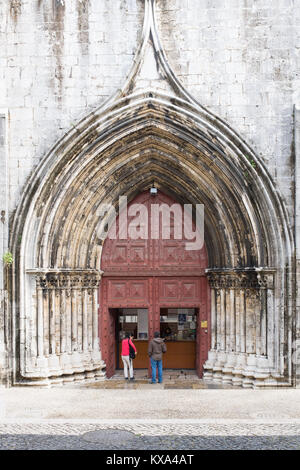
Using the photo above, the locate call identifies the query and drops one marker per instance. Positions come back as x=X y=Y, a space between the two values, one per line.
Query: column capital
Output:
x=256 y=278
x=66 y=278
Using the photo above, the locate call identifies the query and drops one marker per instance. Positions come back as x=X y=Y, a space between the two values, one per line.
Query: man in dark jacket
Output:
x=155 y=350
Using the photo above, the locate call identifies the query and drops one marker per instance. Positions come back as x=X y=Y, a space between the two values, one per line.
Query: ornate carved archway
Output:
x=152 y=131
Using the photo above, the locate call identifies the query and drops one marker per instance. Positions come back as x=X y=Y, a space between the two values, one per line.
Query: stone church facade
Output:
x=101 y=98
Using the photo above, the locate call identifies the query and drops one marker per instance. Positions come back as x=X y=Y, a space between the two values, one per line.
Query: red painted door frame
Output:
x=111 y=297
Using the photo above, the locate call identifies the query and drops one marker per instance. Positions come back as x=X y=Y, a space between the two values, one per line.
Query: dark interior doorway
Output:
x=179 y=326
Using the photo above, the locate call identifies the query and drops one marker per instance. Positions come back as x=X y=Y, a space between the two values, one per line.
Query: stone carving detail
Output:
x=67 y=280
x=265 y=280
x=240 y=280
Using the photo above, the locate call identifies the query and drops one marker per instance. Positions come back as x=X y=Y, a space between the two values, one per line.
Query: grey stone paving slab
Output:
x=148 y=402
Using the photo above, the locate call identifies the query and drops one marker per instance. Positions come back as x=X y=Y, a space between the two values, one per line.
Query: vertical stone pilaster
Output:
x=46 y=323
x=90 y=319
x=227 y=320
x=250 y=322
x=222 y=319
x=74 y=309
x=57 y=321
x=63 y=336
x=242 y=321
x=79 y=319
x=232 y=316
x=85 y=321
x=218 y=319
x=213 y=320
x=263 y=331
x=237 y=321
x=40 y=321
x=52 y=321
x=95 y=320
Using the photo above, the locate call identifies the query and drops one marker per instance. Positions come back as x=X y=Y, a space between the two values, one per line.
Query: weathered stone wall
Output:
x=58 y=60
x=239 y=59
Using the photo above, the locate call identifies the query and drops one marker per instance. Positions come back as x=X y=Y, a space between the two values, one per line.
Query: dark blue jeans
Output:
x=158 y=365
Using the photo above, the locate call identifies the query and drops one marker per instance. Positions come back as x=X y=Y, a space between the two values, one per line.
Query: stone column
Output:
x=213 y=320
x=232 y=319
x=40 y=319
x=222 y=331
x=95 y=321
x=242 y=321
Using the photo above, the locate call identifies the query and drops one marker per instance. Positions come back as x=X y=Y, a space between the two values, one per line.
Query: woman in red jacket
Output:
x=127 y=361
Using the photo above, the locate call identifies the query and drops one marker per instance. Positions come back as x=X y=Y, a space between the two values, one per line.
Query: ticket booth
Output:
x=178 y=326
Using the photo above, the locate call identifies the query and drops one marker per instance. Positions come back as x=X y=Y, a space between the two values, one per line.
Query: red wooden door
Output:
x=152 y=273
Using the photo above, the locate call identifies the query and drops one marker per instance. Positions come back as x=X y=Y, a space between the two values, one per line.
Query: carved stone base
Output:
x=238 y=369
x=84 y=378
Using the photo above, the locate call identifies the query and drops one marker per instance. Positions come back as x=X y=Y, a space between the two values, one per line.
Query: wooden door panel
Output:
x=180 y=355
x=142 y=359
x=126 y=293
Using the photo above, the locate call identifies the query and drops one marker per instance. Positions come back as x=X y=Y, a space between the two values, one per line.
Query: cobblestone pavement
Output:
x=137 y=436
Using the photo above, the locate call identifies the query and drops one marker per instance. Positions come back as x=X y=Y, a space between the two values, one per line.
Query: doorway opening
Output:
x=178 y=326
x=134 y=321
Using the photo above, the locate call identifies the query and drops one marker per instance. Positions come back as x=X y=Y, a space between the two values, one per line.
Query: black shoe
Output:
x=132 y=378
x=126 y=378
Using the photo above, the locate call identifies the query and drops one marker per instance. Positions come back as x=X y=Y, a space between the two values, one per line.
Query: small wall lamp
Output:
x=153 y=190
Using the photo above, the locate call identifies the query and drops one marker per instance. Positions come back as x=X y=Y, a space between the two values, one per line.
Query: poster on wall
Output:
x=142 y=323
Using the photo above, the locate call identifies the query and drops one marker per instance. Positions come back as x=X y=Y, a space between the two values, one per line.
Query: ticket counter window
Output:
x=178 y=327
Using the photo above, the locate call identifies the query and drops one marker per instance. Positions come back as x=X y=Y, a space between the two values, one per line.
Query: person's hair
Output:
x=127 y=335
x=156 y=334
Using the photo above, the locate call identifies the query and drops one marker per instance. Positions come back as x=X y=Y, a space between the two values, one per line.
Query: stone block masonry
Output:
x=240 y=60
